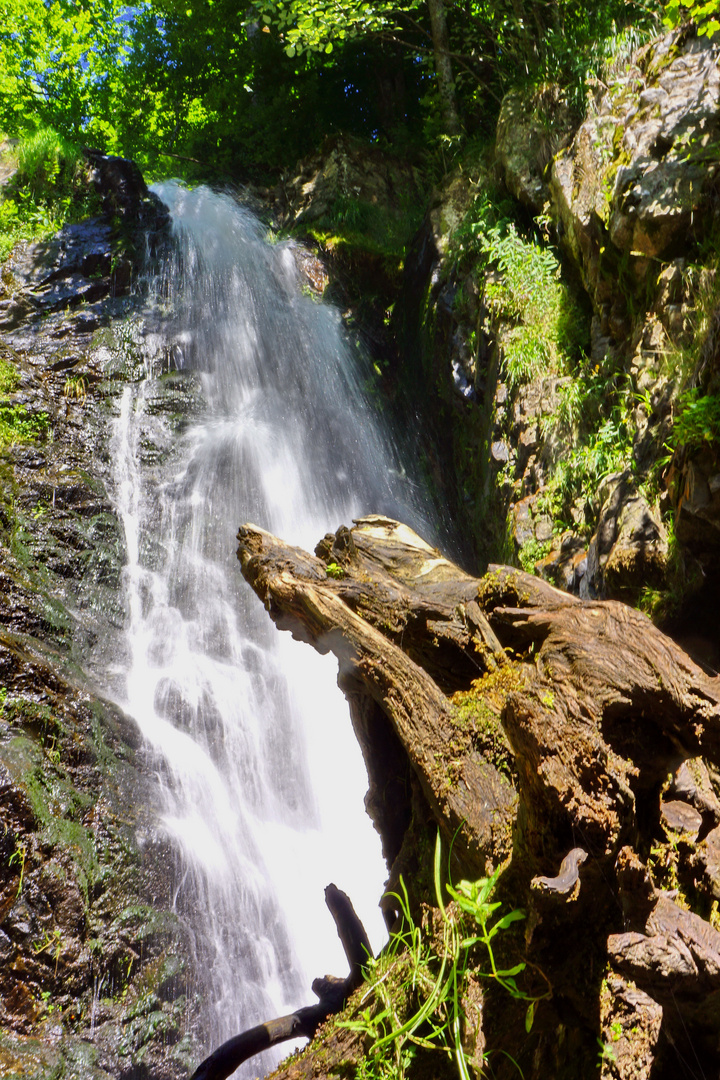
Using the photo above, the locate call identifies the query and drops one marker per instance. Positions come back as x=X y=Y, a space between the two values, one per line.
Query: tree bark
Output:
x=443 y=66
x=535 y=725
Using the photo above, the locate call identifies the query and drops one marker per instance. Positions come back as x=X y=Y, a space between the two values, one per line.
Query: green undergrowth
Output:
x=17 y=424
x=49 y=188
x=355 y=224
x=594 y=424
x=532 y=552
x=541 y=328
x=419 y=988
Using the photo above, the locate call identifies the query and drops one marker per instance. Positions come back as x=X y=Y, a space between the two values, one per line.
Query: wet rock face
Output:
x=94 y=963
x=629 y=549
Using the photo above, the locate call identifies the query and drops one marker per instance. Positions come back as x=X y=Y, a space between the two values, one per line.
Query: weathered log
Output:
x=391 y=588
x=534 y=723
x=303 y=1023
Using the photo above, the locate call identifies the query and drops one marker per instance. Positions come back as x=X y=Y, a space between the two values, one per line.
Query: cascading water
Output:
x=260 y=778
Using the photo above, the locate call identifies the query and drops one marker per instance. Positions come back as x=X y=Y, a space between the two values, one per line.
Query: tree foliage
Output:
x=704 y=13
x=247 y=91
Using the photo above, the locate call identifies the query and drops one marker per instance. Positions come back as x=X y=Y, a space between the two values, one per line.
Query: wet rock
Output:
x=629 y=548
x=694 y=484
x=124 y=192
x=74 y=794
x=679 y=817
x=528 y=523
x=566 y=563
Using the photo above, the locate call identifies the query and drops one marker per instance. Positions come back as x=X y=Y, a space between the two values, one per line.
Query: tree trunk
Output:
x=542 y=730
x=443 y=66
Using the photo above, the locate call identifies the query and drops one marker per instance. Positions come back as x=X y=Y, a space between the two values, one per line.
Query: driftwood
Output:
x=529 y=725
x=303 y=1023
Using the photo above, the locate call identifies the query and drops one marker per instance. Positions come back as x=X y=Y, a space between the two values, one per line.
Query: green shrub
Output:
x=49 y=188
x=705 y=15
x=547 y=328
x=542 y=329
x=531 y=552
x=698 y=420
x=47 y=164
x=17 y=425
x=427 y=976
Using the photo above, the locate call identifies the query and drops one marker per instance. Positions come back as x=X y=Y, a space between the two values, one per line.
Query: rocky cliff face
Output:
x=94 y=961
x=601 y=455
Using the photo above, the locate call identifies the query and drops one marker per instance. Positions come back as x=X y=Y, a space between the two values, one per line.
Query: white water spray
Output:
x=261 y=779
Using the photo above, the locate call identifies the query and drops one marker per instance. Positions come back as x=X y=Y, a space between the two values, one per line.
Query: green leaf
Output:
x=290 y=51
x=530 y=1016
x=511 y=917
x=512 y=971
x=329 y=47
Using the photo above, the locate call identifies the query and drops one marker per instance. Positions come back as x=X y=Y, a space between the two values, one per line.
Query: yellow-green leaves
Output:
x=706 y=16
x=315 y=26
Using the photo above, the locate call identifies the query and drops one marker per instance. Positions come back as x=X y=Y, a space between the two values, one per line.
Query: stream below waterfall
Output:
x=260 y=779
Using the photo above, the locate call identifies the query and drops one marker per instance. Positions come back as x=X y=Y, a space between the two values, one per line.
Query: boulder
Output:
x=629 y=549
x=530 y=131
x=694 y=485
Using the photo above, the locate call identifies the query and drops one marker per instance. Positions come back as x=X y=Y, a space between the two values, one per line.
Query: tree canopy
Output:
x=248 y=89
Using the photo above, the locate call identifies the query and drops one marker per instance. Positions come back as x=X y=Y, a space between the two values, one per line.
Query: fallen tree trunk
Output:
x=536 y=728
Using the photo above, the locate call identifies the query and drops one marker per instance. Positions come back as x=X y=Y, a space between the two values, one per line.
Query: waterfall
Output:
x=259 y=777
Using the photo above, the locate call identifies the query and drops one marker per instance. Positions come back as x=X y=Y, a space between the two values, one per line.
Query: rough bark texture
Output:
x=545 y=731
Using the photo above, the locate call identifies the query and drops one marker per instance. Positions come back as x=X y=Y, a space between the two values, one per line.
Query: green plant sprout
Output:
x=75 y=389
x=19 y=855
x=45 y=996
x=50 y=942
x=437 y=977
x=334 y=570
x=53 y=751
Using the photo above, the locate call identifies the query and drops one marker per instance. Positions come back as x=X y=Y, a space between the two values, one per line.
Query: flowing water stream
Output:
x=260 y=779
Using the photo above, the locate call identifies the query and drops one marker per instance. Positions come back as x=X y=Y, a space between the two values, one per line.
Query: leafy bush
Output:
x=546 y=326
x=17 y=425
x=705 y=15
x=542 y=329
x=428 y=979
x=531 y=552
x=698 y=420
x=603 y=445
x=47 y=164
x=49 y=188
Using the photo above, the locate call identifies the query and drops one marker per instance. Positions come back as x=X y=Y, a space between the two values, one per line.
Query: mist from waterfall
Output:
x=260 y=779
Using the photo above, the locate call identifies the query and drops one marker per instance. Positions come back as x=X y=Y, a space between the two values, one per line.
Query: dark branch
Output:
x=332 y=992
